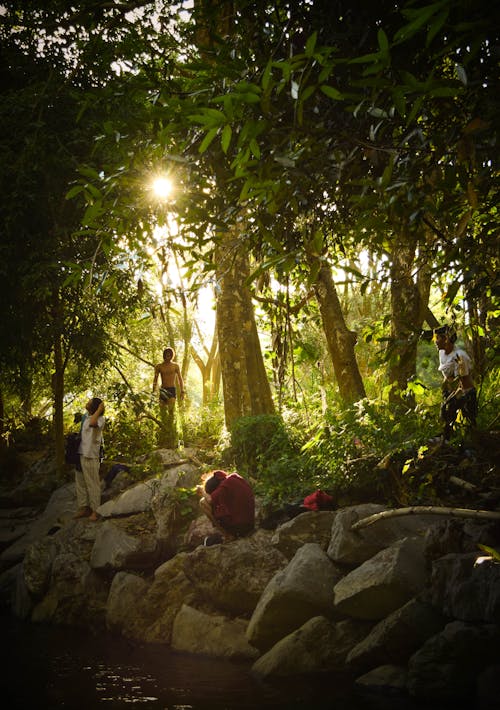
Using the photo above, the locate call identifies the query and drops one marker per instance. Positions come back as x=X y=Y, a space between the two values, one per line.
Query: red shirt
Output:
x=319 y=500
x=233 y=503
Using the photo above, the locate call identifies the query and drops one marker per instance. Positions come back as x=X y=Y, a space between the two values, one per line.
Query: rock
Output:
x=37 y=566
x=171 y=588
x=198 y=530
x=465 y=590
x=446 y=667
x=395 y=638
x=352 y=548
x=134 y=500
x=14 y=523
x=125 y=594
x=76 y=597
x=383 y=583
x=318 y=646
x=487 y=688
x=212 y=635
x=117 y=549
x=58 y=512
x=306 y=527
x=232 y=576
x=392 y=679
x=299 y=592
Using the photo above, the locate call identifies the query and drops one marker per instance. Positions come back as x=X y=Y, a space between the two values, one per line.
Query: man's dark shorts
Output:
x=167 y=393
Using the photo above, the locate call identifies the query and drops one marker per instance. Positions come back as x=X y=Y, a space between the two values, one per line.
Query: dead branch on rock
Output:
x=425 y=510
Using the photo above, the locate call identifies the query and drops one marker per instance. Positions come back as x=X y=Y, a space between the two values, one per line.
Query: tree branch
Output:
x=425 y=510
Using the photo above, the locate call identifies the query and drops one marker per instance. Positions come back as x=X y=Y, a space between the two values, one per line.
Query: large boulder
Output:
x=395 y=638
x=148 y=611
x=125 y=595
x=57 y=513
x=353 y=547
x=312 y=526
x=195 y=631
x=465 y=589
x=232 y=576
x=77 y=595
x=383 y=583
x=318 y=646
x=448 y=665
x=117 y=547
x=299 y=592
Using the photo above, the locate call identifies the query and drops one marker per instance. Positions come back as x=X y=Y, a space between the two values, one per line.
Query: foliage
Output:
x=264 y=451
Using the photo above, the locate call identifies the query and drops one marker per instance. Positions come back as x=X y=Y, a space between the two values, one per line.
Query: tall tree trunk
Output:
x=341 y=341
x=2 y=420
x=246 y=388
x=410 y=288
x=58 y=382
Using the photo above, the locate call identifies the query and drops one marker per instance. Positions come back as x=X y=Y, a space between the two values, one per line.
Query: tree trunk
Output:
x=341 y=341
x=58 y=397
x=410 y=288
x=2 y=420
x=245 y=385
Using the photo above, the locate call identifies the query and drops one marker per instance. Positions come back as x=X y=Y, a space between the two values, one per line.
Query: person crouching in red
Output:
x=229 y=503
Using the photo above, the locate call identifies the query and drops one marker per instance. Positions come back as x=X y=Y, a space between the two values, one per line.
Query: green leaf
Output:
x=331 y=92
x=75 y=190
x=254 y=147
x=226 y=137
x=208 y=139
x=436 y=26
x=421 y=16
x=266 y=76
x=311 y=45
x=383 y=42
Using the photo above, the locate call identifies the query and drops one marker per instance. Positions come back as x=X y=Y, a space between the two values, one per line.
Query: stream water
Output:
x=48 y=667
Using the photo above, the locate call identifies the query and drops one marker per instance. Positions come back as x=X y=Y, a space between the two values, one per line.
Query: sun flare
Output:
x=162 y=187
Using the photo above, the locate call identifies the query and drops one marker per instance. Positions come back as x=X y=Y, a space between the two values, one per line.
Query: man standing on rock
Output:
x=459 y=393
x=87 y=481
x=170 y=374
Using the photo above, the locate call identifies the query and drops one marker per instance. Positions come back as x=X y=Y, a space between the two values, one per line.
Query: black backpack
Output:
x=71 y=448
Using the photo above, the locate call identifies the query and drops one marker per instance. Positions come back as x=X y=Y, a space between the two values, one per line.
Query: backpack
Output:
x=72 y=445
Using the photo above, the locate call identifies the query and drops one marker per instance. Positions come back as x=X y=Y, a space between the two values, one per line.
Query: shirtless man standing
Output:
x=170 y=374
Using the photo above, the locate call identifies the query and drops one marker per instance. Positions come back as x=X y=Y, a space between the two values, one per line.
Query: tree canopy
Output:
x=335 y=182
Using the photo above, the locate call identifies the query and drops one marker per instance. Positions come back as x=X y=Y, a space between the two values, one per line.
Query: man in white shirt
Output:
x=459 y=393
x=88 y=484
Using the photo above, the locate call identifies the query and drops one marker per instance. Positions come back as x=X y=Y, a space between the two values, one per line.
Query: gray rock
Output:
x=299 y=592
x=465 y=590
x=114 y=548
x=318 y=646
x=395 y=638
x=233 y=576
x=446 y=667
x=125 y=594
x=389 y=678
x=58 y=512
x=306 y=527
x=352 y=548
x=383 y=583
x=213 y=635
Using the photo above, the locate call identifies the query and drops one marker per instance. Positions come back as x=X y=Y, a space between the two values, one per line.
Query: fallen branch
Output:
x=463 y=484
x=425 y=510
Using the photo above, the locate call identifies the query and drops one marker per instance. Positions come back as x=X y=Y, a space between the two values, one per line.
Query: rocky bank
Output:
x=407 y=605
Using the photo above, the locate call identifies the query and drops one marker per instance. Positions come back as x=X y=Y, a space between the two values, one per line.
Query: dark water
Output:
x=56 y=667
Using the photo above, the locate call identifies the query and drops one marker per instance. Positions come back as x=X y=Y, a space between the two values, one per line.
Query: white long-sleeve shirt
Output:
x=454 y=364
x=91 y=438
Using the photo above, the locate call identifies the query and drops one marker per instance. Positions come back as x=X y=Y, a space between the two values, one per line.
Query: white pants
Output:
x=88 y=484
